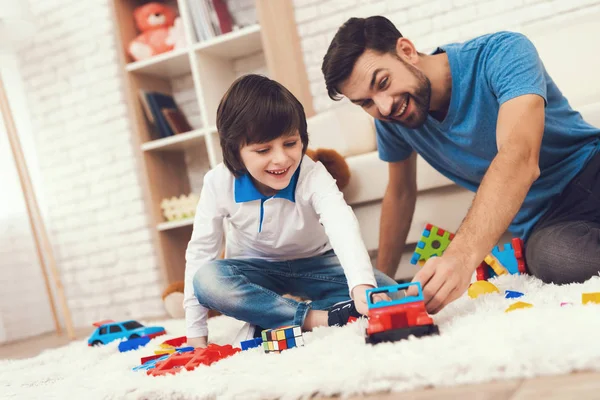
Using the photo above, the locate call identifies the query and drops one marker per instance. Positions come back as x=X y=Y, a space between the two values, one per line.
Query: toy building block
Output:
x=394 y=320
x=191 y=359
x=512 y=294
x=150 y=363
x=133 y=344
x=251 y=344
x=433 y=243
x=518 y=305
x=283 y=338
x=590 y=298
x=478 y=288
x=566 y=303
x=144 y=360
x=510 y=258
x=482 y=272
x=175 y=342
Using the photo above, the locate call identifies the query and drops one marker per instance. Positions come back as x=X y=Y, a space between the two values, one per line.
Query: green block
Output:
x=434 y=241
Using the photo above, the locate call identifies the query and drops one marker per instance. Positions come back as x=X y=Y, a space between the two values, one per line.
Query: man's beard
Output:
x=420 y=99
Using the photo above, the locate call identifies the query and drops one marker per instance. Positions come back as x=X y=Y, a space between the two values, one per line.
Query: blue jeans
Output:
x=251 y=289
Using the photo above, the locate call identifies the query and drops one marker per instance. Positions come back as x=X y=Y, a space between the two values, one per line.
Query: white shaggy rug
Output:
x=478 y=342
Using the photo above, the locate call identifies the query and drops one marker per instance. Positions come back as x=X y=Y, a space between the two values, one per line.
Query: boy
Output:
x=290 y=230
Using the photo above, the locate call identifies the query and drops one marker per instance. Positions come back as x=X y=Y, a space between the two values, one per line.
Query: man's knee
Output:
x=562 y=254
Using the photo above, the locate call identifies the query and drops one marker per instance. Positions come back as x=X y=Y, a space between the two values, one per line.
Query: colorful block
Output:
x=518 y=305
x=251 y=344
x=479 y=288
x=434 y=241
x=280 y=339
x=509 y=259
x=512 y=294
x=590 y=298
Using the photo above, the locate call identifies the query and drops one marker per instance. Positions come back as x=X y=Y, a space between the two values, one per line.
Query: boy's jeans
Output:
x=251 y=289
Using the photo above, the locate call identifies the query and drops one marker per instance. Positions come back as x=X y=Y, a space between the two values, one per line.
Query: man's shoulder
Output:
x=487 y=41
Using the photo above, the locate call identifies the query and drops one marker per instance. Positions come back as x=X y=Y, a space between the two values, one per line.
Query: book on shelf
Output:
x=154 y=105
x=210 y=18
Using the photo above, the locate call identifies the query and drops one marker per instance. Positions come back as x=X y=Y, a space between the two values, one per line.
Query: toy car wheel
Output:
x=134 y=336
x=96 y=343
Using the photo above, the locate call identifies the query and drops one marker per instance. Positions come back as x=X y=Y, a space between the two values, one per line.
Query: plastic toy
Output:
x=433 y=243
x=590 y=298
x=511 y=294
x=283 y=338
x=478 y=288
x=251 y=344
x=394 y=320
x=518 y=305
x=110 y=330
x=154 y=21
x=133 y=344
x=509 y=260
x=191 y=359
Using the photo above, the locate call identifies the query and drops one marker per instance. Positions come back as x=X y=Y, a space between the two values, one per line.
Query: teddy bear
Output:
x=337 y=166
x=154 y=21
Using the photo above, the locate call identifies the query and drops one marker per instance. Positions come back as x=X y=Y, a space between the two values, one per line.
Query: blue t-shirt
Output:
x=486 y=72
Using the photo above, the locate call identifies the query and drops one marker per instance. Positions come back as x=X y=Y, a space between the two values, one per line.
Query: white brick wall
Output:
x=428 y=23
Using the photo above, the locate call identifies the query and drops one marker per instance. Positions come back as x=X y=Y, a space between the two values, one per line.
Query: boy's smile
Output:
x=272 y=164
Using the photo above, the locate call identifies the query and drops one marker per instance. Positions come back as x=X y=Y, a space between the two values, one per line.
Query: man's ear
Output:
x=406 y=49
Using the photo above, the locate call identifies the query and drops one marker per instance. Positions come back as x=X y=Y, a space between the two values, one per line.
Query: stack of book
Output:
x=163 y=115
x=210 y=18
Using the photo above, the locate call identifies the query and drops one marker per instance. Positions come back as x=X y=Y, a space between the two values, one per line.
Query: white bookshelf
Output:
x=211 y=64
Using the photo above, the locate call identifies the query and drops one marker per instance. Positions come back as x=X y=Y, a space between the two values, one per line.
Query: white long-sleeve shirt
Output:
x=306 y=219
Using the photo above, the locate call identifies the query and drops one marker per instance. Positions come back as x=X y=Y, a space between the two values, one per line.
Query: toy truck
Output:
x=394 y=320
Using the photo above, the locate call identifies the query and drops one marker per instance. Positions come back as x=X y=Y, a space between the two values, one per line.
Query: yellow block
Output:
x=517 y=305
x=498 y=268
x=590 y=298
x=280 y=334
x=165 y=351
x=166 y=346
x=481 y=287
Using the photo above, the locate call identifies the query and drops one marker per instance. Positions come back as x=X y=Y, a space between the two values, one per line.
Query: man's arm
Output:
x=397 y=210
x=502 y=191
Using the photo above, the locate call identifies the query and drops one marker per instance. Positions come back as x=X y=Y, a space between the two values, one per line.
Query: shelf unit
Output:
x=211 y=65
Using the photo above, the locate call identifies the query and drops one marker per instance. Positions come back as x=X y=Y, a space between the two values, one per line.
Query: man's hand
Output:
x=359 y=294
x=201 y=341
x=444 y=279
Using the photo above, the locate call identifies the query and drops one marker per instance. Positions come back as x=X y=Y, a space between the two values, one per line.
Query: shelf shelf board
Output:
x=178 y=142
x=165 y=226
x=171 y=64
x=232 y=45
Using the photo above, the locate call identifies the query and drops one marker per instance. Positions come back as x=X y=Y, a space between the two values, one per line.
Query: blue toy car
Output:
x=110 y=330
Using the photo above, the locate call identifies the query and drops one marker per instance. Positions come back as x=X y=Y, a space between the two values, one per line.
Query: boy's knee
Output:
x=207 y=282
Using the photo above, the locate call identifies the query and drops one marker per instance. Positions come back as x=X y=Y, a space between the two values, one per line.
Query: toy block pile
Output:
x=182 y=207
x=280 y=339
x=508 y=260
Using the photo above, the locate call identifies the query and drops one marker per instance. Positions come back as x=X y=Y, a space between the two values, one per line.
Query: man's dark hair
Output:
x=256 y=109
x=352 y=39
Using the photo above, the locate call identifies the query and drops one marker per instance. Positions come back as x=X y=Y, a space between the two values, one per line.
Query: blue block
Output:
x=289 y=333
x=150 y=364
x=426 y=233
x=511 y=294
x=291 y=342
x=184 y=349
x=421 y=245
x=252 y=343
x=507 y=258
x=415 y=258
x=133 y=344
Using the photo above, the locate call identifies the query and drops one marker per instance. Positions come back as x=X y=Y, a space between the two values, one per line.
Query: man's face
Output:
x=389 y=89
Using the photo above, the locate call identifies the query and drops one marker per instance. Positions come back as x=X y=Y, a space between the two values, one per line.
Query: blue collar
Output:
x=244 y=189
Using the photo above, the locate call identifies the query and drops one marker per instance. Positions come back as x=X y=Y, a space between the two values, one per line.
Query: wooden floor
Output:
x=579 y=386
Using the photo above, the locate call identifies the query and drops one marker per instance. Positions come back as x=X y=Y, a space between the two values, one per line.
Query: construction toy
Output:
x=394 y=320
x=182 y=207
x=110 y=330
x=509 y=260
x=511 y=294
x=566 y=303
x=478 y=288
x=252 y=343
x=144 y=360
x=433 y=243
x=590 y=298
x=175 y=342
x=133 y=344
x=151 y=363
x=518 y=305
x=191 y=359
x=283 y=338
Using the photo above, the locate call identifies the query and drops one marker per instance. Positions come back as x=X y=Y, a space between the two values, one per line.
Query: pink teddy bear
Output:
x=154 y=20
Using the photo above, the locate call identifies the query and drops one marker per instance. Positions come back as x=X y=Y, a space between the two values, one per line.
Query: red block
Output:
x=282 y=344
x=176 y=342
x=191 y=360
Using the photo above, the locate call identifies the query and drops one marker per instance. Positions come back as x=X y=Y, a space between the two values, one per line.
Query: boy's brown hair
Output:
x=256 y=109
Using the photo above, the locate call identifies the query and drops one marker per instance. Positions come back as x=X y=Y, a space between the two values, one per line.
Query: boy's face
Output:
x=272 y=164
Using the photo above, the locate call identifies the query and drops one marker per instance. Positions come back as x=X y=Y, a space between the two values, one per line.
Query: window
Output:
x=115 y=329
x=103 y=330
x=129 y=325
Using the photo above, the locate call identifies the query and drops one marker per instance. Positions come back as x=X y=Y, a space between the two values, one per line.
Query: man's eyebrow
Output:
x=371 y=84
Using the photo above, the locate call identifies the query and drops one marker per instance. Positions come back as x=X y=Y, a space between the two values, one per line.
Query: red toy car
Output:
x=394 y=320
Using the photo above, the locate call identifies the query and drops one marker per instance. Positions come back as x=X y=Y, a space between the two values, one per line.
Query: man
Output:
x=486 y=114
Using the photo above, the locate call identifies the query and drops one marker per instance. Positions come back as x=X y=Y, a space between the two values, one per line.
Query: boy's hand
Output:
x=359 y=294
x=201 y=341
